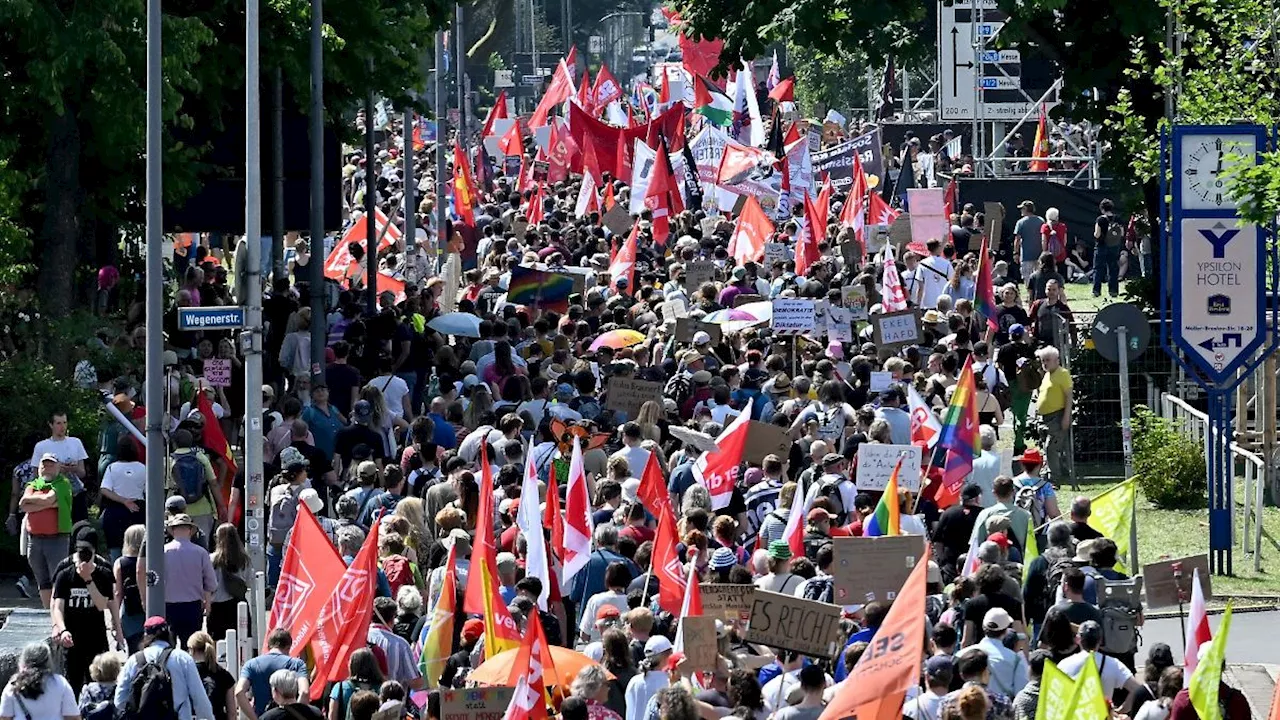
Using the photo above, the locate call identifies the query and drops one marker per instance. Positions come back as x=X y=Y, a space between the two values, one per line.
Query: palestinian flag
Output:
x=711 y=102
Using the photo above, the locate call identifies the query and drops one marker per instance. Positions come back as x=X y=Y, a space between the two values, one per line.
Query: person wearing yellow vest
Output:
x=1055 y=409
x=47 y=505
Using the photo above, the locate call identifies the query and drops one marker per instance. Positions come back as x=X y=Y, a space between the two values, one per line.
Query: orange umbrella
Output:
x=565 y=666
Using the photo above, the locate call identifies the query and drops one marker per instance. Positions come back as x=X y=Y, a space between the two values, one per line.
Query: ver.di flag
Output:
x=344 y=622
x=482 y=594
x=751 y=233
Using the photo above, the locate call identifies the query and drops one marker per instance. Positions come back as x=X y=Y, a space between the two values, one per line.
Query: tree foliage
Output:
x=73 y=78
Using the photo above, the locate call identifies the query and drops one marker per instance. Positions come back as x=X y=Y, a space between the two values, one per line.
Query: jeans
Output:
x=1106 y=262
x=1148 y=265
x=275 y=559
x=1056 y=445
x=410 y=378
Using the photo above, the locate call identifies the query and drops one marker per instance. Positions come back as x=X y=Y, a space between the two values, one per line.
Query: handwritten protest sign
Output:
x=839 y=324
x=876 y=461
x=774 y=252
x=727 y=601
x=870 y=569
x=480 y=703
x=792 y=623
x=881 y=381
x=217 y=372
x=628 y=394
x=896 y=329
x=1162 y=587
x=793 y=316
x=697 y=272
x=700 y=642
x=617 y=220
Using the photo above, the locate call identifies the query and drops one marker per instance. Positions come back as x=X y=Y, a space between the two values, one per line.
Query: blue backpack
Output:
x=188 y=476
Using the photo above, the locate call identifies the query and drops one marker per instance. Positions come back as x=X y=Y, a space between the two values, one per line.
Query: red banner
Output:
x=603 y=135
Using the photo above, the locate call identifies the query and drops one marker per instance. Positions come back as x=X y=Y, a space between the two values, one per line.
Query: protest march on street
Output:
x=690 y=407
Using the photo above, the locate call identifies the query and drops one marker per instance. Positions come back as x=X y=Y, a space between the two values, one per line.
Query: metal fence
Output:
x=1245 y=466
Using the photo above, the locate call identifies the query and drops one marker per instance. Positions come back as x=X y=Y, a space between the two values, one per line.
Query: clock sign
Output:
x=1205 y=160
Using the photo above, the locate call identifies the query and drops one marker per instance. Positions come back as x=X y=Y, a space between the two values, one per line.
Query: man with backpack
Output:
x=161 y=682
x=1109 y=234
x=191 y=476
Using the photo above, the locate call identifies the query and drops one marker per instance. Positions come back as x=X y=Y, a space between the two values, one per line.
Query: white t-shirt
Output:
x=588 y=624
x=126 y=479
x=56 y=701
x=393 y=391
x=1113 y=672
x=935 y=274
x=68 y=450
x=1153 y=710
x=637 y=458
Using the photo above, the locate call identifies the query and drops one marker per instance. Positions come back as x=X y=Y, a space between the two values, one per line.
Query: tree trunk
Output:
x=60 y=234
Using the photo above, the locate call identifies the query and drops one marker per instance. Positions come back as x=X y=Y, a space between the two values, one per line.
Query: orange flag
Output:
x=500 y=632
x=1040 y=148
x=877 y=684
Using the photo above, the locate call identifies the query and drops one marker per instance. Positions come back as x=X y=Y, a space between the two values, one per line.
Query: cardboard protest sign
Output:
x=766 y=439
x=700 y=650
x=727 y=601
x=673 y=309
x=869 y=569
x=628 y=394
x=1162 y=588
x=994 y=213
x=697 y=272
x=877 y=238
x=792 y=623
x=854 y=298
x=618 y=221
x=776 y=251
x=896 y=329
x=519 y=227
x=876 y=462
x=793 y=316
x=686 y=327
x=217 y=372
x=479 y=703
x=708 y=225
x=900 y=232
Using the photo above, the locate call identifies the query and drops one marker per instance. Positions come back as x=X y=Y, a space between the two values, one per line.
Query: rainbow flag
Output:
x=886 y=520
x=985 y=295
x=539 y=288
x=959 y=437
x=436 y=640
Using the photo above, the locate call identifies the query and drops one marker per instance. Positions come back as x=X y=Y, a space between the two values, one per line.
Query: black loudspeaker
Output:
x=218 y=206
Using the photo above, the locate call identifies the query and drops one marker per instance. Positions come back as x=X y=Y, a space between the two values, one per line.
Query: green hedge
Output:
x=1169 y=466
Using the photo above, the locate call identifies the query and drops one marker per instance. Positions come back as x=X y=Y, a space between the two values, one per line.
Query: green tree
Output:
x=73 y=78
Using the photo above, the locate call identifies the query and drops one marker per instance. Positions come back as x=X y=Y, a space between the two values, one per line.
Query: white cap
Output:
x=630 y=490
x=701 y=338
x=312 y=499
x=656 y=645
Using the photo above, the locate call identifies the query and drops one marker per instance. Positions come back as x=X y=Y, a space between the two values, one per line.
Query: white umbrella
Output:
x=456 y=323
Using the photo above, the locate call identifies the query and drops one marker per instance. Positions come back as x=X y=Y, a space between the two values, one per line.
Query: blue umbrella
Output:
x=456 y=323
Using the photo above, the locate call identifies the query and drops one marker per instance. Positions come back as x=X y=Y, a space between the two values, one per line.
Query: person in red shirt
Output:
x=637 y=525
x=863 y=505
x=1234 y=704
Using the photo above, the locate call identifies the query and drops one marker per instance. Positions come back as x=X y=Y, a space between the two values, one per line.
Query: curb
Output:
x=1245 y=609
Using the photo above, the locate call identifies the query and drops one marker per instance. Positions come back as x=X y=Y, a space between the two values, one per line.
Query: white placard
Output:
x=792 y=315
x=776 y=251
x=881 y=381
x=876 y=462
x=839 y=324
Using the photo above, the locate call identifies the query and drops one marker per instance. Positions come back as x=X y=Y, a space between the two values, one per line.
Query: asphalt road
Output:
x=1252 y=639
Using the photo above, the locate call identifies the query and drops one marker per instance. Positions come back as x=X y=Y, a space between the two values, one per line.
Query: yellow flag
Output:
x=1113 y=515
x=1056 y=691
x=1033 y=549
x=1203 y=687
x=1088 y=703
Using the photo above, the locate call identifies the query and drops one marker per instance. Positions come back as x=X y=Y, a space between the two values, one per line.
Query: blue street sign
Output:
x=226 y=317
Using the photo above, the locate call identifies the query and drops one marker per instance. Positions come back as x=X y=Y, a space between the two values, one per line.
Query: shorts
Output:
x=44 y=554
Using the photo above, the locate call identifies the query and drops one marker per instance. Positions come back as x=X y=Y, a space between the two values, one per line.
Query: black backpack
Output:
x=151 y=696
x=1115 y=232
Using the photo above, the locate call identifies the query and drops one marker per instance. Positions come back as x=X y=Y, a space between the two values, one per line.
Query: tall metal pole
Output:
x=410 y=189
x=319 y=326
x=1126 y=436
x=460 y=66
x=277 y=176
x=370 y=220
x=251 y=339
x=442 y=135
x=155 y=320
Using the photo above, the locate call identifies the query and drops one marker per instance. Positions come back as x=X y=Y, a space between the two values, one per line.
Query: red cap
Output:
x=1000 y=539
x=607 y=611
x=472 y=630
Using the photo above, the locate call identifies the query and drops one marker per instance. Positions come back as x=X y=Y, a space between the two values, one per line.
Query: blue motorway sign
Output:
x=225 y=317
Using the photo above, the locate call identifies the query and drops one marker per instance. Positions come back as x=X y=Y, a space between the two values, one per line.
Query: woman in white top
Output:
x=35 y=692
x=1158 y=709
x=123 y=489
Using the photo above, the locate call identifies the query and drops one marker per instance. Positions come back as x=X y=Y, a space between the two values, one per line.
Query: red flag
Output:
x=213 y=438
x=751 y=233
x=527 y=675
x=853 y=214
x=1040 y=149
x=666 y=562
x=497 y=112
x=306 y=580
x=551 y=516
x=662 y=188
x=608 y=200
x=464 y=191
x=879 y=212
x=664 y=90
x=561 y=89
x=582 y=123
x=590 y=163
x=344 y=622
x=623 y=264
x=784 y=91
x=607 y=89
x=622 y=160
x=793 y=533
x=699 y=57
x=876 y=686
x=739 y=161
x=482 y=581
x=419 y=142
x=583 y=96
x=537 y=211
x=807 y=252
x=512 y=143
x=577 y=514
x=562 y=150
x=950 y=197
x=717 y=469
x=653 y=488
x=793 y=134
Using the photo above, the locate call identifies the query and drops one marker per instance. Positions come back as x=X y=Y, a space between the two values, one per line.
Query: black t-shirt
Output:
x=1007 y=317
x=1078 y=612
x=954 y=528
x=1081 y=532
x=85 y=622
x=978 y=606
x=1103 y=223
x=353 y=435
x=341 y=379
x=216 y=685
x=294 y=711
x=1007 y=359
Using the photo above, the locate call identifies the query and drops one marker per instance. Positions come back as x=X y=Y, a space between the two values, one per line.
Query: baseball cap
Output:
x=818 y=514
x=175 y=504
x=997 y=619
x=155 y=625
x=312 y=499
x=971 y=491
x=472 y=630
x=504 y=558
x=368 y=469
x=722 y=558
x=291 y=457
x=939 y=665
x=49 y=457
x=1000 y=539
x=606 y=612
x=362 y=410
x=701 y=338
x=831 y=459
x=1017 y=330
x=933 y=574
x=656 y=645
x=457 y=534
